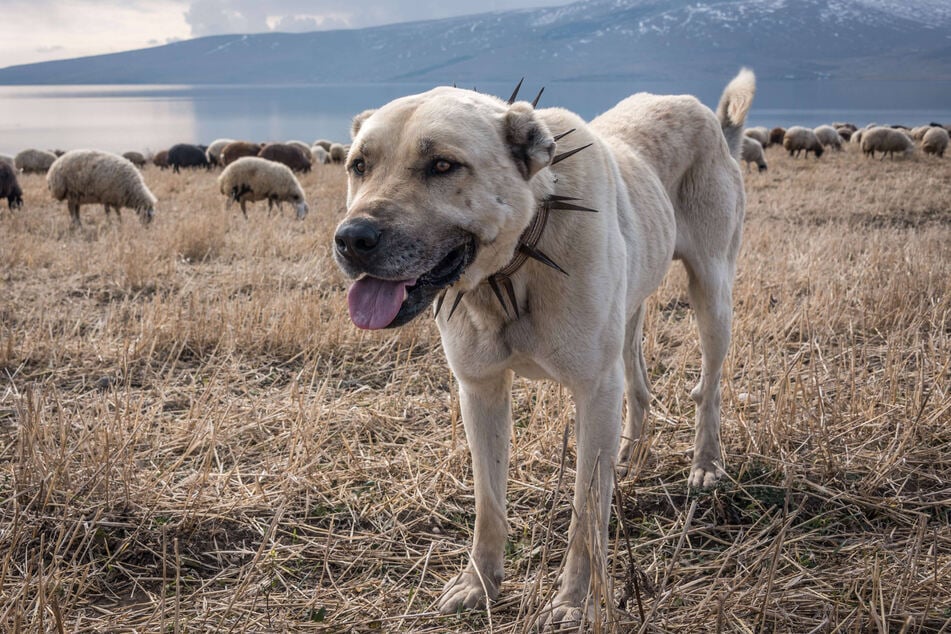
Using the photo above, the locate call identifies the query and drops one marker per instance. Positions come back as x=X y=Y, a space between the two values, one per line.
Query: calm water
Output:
x=120 y=118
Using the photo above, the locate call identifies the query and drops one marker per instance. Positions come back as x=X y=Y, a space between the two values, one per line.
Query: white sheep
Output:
x=935 y=141
x=887 y=141
x=798 y=138
x=34 y=161
x=319 y=155
x=857 y=137
x=213 y=153
x=338 y=153
x=324 y=143
x=918 y=133
x=760 y=134
x=83 y=177
x=829 y=137
x=251 y=178
x=752 y=152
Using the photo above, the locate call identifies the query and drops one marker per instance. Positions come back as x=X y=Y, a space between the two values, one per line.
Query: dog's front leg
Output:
x=487 y=418
x=597 y=431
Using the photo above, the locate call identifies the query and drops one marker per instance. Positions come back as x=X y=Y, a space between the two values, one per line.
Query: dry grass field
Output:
x=194 y=438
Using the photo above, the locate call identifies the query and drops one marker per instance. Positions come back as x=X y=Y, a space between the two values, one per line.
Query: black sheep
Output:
x=187 y=155
x=9 y=187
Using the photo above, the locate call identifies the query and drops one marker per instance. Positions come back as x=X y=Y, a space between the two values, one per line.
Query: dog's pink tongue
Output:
x=374 y=303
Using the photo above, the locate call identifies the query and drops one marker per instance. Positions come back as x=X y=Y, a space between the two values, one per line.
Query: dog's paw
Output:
x=561 y=616
x=703 y=476
x=466 y=592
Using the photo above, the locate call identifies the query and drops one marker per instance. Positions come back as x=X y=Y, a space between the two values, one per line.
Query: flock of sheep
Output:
x=252 y=172
x=255 y=171
x=888 y=140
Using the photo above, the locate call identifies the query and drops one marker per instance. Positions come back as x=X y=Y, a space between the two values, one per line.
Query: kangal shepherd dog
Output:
x=544 y=235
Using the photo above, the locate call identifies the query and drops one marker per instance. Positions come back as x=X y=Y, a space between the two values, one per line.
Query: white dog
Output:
x=545 y=258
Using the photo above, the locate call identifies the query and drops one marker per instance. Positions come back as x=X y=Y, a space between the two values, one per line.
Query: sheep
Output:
x=8 y=160
x=300 y=145
x=760 y=135
x=324 y=143
x=752 y=152
x=887 y=141
x=289 y=155
x=338 y=154
x=251 y=178
x=92 y=176
x=776 y=136
x=798 y=139
x=34 y=161
x=319 y=155
x=9 y=187
x=845 y=132
x=233 y=151
x=213 y=153
x=851 y=127
x=857 y=137
x=160 y=160
x=918 y=133
x=187 y=155
x=935 y=141
x=136 y=158
x=829 y=137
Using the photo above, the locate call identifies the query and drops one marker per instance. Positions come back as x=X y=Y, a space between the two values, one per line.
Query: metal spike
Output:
x=562 y=204
x=515 y=92
x=493 y=282
x=559 y=137
x=561 y=157
x=455 y=303
x=537 y=97
x=439 y=304
x=534 y=253
x=510 y=291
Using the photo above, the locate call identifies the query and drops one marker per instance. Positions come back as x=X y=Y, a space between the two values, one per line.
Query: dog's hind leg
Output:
x=487 y=418
x=711 y=294
x=637 y=390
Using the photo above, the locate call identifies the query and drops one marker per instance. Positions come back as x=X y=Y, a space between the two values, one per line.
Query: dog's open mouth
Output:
x=377 y=303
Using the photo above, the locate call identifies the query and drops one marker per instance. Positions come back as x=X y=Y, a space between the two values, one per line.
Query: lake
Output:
x=152 y=117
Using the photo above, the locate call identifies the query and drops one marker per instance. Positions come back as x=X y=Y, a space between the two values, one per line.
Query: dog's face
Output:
x=439 y=192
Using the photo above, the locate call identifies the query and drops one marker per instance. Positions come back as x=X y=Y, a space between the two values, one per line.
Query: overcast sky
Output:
x=40 y=30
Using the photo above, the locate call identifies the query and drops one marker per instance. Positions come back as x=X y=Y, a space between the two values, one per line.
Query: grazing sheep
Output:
x=8 y=160
x=187 y=155
x=83 y=177
x=887 y=141
x=319 y=155
x=300 y=145
x=761 y=135
x=136 y=158
x=845 y=132
x=776 y=136
x=798 y=139
x=829 y=137
x=851 y=127
x=857 y=137
x=918 y=133
x=160 y=159
x=251 y=178
x=752 y=152
x=289 y=155
x=233 y=151
x=935 y=141
x=324 y=143
x=213 y=153
x=9 y=187
x=338 y=153
x=34 y=161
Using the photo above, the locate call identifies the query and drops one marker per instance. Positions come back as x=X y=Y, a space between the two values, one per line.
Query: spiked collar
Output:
x=528 y=241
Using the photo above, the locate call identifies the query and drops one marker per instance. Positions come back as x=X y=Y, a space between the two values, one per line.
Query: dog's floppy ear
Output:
x=529 y=140
x=358 y=121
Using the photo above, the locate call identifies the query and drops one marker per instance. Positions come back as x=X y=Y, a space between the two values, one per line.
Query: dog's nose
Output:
x=357 y=238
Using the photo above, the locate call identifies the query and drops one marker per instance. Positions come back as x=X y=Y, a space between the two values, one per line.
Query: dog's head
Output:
x=440 y=188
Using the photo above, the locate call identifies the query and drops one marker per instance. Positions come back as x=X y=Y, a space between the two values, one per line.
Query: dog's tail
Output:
x=734 y=105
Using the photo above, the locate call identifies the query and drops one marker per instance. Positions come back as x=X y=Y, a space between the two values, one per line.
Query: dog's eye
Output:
x=359 y=167
x=442 y=166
